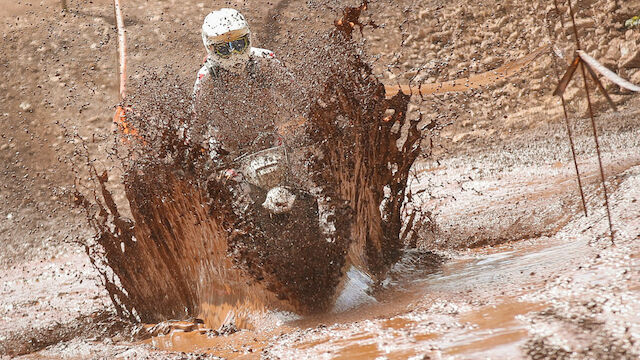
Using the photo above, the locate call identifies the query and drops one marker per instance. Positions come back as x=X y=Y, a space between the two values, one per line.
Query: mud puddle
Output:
x=506 y=272
x=496 y=329
x=469 y=308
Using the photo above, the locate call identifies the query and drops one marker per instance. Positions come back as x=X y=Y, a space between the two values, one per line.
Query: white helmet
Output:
x=226 y=35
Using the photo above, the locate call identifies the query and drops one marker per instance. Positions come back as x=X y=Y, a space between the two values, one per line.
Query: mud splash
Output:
x=200 y=243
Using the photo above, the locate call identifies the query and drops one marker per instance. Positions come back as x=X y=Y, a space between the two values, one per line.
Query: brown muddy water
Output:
x=425 y=312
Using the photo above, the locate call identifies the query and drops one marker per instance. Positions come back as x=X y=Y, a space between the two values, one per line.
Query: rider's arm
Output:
x=200 y=78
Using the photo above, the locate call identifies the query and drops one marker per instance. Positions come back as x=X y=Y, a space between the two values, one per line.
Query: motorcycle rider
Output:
x=227 y=38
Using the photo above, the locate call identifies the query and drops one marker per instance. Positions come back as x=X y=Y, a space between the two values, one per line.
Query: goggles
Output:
x=225 y=49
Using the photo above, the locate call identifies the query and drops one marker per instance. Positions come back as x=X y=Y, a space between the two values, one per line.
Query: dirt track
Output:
x=499 y=173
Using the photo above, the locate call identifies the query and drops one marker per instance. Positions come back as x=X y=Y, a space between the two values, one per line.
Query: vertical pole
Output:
x=575 y=29
x=593 y=123
x=573 y=154
x=595 y=136
x=122 y=49
x=566 y=120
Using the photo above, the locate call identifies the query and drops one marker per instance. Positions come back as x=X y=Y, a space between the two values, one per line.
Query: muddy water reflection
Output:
x=433 y=314
x=495 y=328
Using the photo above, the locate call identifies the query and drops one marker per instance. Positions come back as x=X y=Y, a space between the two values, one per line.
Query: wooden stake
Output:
x=122 y=48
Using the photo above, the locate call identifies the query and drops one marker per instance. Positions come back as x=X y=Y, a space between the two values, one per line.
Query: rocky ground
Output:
x=499 y=171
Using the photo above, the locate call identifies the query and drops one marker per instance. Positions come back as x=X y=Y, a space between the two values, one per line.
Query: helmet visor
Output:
x=225 y=49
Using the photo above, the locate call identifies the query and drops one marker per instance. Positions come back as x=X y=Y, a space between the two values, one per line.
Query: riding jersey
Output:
x=209 y=69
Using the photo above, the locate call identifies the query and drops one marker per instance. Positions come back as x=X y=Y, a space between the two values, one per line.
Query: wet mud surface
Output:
x=512 y=268
x=507 y=301
x=568 y=293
